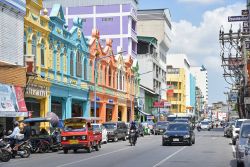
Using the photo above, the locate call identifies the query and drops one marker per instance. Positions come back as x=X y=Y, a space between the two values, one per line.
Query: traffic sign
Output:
x=245 y=30
x=245 y=12
x=247 y=44
x=237 y=18
x=245 y=24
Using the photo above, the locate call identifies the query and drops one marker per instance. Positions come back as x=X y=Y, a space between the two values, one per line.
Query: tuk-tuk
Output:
x=42 y=141
x=78 y=134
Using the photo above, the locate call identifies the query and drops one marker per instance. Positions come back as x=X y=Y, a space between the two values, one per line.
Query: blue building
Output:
x=192 y=91
x=68 y=67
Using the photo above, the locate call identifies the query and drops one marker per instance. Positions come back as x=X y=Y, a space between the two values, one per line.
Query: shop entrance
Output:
x=92 y=110
x=77 y=110
x=33 y=105
x=109 y=112
x=56 y=106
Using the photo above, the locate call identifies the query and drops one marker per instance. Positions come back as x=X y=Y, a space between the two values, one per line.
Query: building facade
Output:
x=181 y=61
x=115 y=82
x=192 y=93
x=156 y=23
x=176 y=94
x=67 y=67
x=119 y=16
x=12 y=71
x=200 y=74
x=36 y=49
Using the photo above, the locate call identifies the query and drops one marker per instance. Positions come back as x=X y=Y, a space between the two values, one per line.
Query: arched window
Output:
x=42 y=53
x=105 y=75
x=71 y=64
x=24 y=44
x=78 y=64
x=120 y=80
x=123 y=82
x=85 y=69
x=110 y=76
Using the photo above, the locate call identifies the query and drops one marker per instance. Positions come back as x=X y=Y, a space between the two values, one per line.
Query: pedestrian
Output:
x=26 y=131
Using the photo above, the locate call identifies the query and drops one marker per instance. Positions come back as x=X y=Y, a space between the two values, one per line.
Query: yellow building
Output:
x=176 y=94
x=36 y=49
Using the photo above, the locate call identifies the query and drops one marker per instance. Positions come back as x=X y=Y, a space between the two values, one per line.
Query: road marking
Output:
x=165 y=159
x=94 y=157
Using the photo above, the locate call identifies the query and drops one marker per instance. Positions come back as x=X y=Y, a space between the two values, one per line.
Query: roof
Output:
x=150 y=40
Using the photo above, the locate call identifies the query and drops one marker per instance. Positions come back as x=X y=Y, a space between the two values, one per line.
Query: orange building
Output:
x=115 y=88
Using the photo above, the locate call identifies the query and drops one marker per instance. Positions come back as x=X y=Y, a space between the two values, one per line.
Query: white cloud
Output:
x=201 y=1
x=201 y=43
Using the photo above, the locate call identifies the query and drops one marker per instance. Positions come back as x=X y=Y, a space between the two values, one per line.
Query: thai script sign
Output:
x=37 y=90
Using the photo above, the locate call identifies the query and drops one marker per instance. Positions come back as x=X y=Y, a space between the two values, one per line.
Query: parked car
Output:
x=178 y=132
x=236 y=129
x=139 y=128
x=241 y=142
x=205 y=125
x=128 y=127
x=160 y=127
x=116 y=130
x=247 y=152
x=228 y=127
x=100 y=128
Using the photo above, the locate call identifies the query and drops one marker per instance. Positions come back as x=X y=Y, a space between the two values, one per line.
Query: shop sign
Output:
x=158 y=104
x=13 y=114
x=37 y=90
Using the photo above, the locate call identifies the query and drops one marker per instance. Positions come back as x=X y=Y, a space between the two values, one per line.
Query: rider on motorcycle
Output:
x=133 y=127
x=13 y=136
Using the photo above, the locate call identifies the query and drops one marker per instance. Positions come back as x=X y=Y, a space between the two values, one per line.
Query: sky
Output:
x=196 y=25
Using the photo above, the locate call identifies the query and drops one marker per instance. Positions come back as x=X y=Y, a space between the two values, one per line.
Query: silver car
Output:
x=241 y=142
x=247 y=153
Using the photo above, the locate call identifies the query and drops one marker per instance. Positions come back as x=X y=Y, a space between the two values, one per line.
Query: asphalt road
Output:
x=210 y=150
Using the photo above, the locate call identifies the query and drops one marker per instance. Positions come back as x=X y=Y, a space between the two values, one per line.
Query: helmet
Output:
x=133 y=123
x=16 y=123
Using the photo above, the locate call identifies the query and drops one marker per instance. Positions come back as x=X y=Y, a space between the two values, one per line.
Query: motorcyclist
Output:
x=133 y=127
x=13 y=136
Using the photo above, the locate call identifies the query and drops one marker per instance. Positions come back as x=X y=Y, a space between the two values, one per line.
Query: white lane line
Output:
x=165 y=159
x=93 y=157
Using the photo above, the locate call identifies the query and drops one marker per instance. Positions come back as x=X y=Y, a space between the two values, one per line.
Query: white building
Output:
x=200 y=74
x=155 y=24
x=181 y=61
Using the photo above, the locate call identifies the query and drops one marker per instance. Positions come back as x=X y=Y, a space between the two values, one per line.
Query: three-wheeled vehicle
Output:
x=42 y=142
x=79 y=134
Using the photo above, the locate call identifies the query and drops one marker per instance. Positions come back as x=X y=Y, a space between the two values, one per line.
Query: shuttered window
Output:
x=42 y=53
x=71 y=64
x=78 y=64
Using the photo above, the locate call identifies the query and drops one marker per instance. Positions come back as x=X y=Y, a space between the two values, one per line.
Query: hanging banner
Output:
x=10 y=105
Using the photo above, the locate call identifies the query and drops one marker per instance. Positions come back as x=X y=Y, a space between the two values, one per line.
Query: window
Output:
x=34 y=46
x=120 y=80
x=85 y=69
x=110 y=76
x=107 y=19
x=71 y=64
x=24 y=44
x=78 y=64
x=42 y=53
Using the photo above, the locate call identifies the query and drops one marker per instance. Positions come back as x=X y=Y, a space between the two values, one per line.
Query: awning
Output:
x=150 y=40
x=144 y=113
x=12 y=102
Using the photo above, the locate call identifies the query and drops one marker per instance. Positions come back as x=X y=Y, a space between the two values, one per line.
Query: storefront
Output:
x=69 y=102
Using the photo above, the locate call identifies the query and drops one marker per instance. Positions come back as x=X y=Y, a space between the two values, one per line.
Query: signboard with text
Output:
x=237 y=18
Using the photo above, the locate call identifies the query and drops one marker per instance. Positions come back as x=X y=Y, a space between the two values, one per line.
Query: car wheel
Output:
x=190 y=143
x=65 y=151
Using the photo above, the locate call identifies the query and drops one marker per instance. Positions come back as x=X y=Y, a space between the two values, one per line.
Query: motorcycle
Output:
x=198 y=128
x=132 y=137
x=5 y=153
x=21 y=148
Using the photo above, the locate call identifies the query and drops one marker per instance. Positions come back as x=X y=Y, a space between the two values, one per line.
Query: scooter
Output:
x=21 y=148
x=198 y=128
x=5 y=153
x=132 y=137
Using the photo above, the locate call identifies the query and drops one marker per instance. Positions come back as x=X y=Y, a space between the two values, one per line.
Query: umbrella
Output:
x=54 y=120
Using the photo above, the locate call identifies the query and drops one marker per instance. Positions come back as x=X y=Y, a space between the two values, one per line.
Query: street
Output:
x=210 y=150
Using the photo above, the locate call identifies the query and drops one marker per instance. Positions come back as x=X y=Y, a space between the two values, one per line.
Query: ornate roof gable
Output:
x=56 y=14
x=77 y=36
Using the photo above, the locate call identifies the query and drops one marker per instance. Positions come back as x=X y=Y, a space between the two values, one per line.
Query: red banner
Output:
x=20 y=99
x=170 y=92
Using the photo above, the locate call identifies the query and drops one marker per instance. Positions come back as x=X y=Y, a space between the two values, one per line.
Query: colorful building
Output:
x=115 y=85
x=176 y=94
x=12 y=70
x=119 y=16
x=192 y=93
x=67 y=67
x=36 y=52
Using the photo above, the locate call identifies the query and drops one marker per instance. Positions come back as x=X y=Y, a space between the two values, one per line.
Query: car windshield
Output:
x=238 y=124
x=161 y=123
x=74 y=128
x=96 y=127
x=245 y=131
x=204 y=123
x=178 y=127
x=109 y=126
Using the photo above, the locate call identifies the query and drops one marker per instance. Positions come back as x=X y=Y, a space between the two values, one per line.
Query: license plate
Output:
x=175 y=139
x=161 y=130
x=73 y=142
